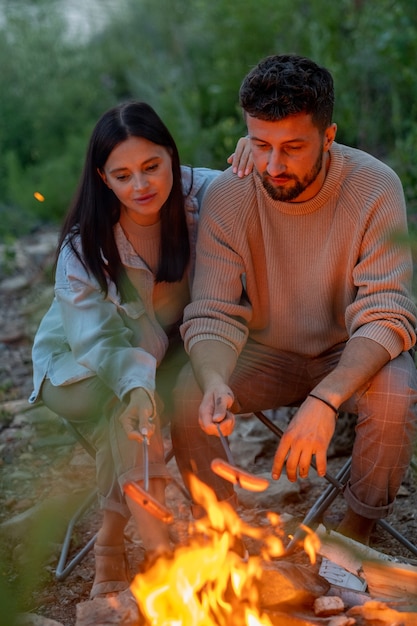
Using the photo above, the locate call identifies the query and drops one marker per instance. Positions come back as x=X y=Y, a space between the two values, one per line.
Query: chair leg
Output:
x=398 y=536
x=335 y=487
x=63 y=568
x=80 y=437
x=321 y=505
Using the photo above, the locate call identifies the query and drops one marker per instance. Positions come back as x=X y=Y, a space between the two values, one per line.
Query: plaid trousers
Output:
x=265 y=378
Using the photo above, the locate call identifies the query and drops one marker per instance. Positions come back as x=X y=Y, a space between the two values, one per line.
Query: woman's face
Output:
x=139 y=173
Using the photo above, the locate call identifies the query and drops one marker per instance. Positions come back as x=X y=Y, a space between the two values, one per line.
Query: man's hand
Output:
x=215 y=409
x=241 y=159
x=137 y=417
x=213 y=363
x=312 y=428
x=309 y=433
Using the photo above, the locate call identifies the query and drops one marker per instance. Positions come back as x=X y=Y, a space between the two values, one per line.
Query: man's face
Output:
x=291 y=155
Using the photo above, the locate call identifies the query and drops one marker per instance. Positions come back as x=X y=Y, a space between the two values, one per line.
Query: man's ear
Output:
x=329 y=137
x=103 y=177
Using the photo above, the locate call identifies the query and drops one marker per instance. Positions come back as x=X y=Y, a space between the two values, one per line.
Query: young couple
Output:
x=297 y=292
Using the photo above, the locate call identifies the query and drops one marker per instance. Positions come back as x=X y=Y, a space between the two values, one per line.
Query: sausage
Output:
x=236 y=476
x=148 y=502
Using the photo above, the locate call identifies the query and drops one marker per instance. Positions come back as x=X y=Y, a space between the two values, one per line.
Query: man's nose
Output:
x=276 y=163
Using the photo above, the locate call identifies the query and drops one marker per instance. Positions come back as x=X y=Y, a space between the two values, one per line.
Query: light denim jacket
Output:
x=84 y=334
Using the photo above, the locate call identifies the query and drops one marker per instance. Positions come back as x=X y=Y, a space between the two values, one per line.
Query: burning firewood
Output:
x=380 y=613
x=285 y=583
x=391 y=580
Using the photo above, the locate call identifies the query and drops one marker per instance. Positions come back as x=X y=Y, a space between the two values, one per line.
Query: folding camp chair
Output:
x=65 y=568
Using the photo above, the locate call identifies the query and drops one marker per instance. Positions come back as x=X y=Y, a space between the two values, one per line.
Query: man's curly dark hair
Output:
x=283 y=85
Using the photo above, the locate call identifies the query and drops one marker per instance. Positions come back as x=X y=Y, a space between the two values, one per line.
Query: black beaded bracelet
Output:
x=329 y=404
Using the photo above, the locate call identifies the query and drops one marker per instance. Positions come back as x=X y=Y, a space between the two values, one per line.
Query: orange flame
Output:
x=311 y=543
x=206 y=582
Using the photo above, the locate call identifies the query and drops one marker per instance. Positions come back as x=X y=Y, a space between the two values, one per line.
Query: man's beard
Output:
x=287 y=194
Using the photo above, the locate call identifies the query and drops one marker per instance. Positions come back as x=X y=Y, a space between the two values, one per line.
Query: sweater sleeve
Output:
x=383 y=309
x=219 y=309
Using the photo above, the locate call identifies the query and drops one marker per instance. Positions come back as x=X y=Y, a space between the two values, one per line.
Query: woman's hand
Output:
x=241 y=159
x=137 y=417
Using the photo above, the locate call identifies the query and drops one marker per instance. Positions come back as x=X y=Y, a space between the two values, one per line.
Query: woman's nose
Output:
x=140 y=181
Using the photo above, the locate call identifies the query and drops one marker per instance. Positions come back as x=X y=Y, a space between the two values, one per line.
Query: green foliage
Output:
x=52 y=96
x=187 y=59
x=8 y=599
x=22 y=577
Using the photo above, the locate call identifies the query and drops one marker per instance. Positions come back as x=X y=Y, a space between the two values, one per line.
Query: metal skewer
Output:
x=141 y=495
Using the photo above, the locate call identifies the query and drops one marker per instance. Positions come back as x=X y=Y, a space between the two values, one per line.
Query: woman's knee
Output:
x=82 y=402
x=187 y=393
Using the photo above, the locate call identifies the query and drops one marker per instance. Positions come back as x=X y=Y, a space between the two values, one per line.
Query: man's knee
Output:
x=392 y=392
x=397 y=380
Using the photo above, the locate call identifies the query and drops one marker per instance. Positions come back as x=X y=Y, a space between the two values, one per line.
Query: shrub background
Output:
x=187 y=58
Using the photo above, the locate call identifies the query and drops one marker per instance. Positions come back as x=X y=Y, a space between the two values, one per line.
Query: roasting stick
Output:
x=225 y=445
x=233 y=474
x=141 y=495
x=146 y=444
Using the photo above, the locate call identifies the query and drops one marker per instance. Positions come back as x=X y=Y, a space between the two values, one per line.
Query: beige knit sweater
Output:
x=305 y=276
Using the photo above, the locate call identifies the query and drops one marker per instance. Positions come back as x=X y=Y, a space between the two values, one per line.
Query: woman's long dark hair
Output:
x=95 y=209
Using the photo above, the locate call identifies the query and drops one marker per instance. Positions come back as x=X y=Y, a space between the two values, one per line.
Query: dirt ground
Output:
x=44 y=474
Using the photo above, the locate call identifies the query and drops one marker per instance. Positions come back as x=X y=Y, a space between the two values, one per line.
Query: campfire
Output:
x=210 y=581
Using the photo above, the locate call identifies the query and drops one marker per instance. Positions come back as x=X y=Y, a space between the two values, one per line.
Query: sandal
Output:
x=113 y=567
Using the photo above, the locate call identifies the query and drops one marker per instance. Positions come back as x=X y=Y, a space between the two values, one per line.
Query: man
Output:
x=302 y=296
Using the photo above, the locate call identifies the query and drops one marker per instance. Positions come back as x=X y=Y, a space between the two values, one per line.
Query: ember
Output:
x=207 y=582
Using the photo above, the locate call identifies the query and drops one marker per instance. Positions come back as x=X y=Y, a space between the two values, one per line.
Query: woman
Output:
x=107 y=351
